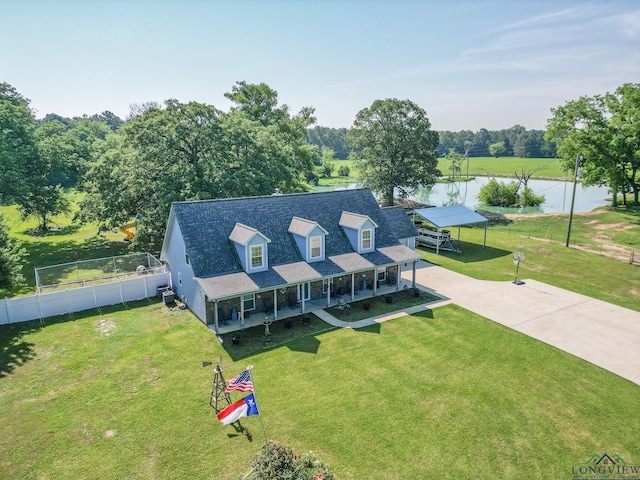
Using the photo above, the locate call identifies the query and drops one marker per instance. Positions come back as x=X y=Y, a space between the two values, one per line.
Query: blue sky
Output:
x=469 y=64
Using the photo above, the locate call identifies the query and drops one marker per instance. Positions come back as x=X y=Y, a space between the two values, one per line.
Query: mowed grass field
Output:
x=543 y=168
x=68 y=243
x=444 y=394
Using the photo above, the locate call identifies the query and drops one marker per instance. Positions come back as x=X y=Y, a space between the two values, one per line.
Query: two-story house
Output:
x=280 y=255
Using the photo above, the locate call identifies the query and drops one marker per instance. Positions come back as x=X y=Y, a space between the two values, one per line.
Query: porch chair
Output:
x=343 y=305
x=268 y=305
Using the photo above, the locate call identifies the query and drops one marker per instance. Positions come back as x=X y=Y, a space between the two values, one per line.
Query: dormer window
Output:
x=365 y=236
x=360 y=231
x=310 y=238
x=316 y=247
x=257 y=259
x=251 y=246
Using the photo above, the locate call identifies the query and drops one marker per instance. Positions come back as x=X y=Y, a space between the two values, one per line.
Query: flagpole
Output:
x=264 y=430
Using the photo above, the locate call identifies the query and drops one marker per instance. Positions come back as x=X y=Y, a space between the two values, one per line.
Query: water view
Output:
x=557 y=196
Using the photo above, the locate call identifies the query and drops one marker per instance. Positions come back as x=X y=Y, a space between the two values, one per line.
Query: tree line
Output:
x=516 y=141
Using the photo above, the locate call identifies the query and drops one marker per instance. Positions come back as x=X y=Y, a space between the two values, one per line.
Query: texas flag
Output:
x=242 y=408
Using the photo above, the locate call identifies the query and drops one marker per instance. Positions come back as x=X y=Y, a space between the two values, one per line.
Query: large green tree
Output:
x=69 y=148
x=193 y=151
x=25 y=174
x=605 y=131
x=17 y=146
x=160 y=157
x=396 y=147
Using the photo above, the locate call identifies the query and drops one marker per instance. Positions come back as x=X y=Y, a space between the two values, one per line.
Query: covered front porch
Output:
x=283 y=302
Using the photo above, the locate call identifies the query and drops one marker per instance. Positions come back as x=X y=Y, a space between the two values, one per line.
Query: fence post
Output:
x=633 y=252
x=39 y=307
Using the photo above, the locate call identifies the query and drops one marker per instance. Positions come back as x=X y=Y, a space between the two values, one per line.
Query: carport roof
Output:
x=449 y=216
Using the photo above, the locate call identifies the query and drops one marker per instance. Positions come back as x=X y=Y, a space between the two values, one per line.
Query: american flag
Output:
x=241 y=383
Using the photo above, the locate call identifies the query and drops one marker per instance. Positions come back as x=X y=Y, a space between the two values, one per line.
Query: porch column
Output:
x=398 y=277
x=375 y=281
x=242 y=311
x=302 y=298
x=215 y=316
x=413 y=281
x=329 y=287
x=275 y=304
x=353 y=286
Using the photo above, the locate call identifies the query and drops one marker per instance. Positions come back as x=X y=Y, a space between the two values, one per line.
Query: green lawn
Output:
x=67 y=243
x=507 y=167
x=335 y=179
x=443 y=394
x=542 y=240
x=597 y=230
x=545 y=168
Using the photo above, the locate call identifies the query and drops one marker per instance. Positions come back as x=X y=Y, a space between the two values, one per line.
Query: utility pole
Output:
x=573 y=196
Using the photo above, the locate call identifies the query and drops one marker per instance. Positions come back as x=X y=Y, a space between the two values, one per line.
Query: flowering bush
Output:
x=278 y=462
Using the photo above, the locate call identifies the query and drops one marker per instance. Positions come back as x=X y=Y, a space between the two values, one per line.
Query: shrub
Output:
x=11 y=254
x=529 y=199
x=344 y=171
x=278 y=462
x=499 y=194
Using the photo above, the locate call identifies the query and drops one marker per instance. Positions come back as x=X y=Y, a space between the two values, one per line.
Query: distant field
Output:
x=336 y=179
x=508 y=166
x=544 y=168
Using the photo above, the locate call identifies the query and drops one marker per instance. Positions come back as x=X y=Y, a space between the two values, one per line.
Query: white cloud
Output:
x=628 y=24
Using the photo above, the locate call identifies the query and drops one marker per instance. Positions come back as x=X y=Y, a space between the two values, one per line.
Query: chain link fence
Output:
x=92 y=272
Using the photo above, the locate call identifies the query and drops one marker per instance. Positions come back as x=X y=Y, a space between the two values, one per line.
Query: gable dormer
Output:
x=360 y=230
x=251 y=246
x=310 y=238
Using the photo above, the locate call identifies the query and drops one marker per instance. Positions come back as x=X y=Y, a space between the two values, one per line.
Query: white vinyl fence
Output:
x=84 y=298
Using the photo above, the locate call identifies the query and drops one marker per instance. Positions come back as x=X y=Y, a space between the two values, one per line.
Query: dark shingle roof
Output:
x=207 y=225
x=398 y=221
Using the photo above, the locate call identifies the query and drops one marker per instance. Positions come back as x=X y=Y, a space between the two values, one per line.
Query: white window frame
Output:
x=251 y=257
x=317 y=238
x=370 y=239
x=250 y=297
x=327 y=284
x=382 y=274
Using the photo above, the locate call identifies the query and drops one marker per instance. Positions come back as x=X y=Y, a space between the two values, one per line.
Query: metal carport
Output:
x=451 y=216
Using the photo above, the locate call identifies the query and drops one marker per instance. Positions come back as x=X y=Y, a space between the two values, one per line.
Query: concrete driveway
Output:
x=598 y=332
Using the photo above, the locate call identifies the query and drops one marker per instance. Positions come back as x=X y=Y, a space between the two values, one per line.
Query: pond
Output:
x=557 y=195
